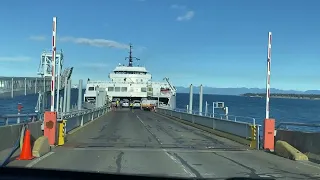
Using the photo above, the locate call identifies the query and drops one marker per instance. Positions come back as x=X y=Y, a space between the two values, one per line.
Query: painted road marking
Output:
x=184 y=168
x=149 y=130
x=34 y=162
x=308 y=164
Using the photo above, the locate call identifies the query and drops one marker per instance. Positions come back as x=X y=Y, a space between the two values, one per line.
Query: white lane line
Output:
x=149 y=129
x=34 y=162
x=184 y=168
x=264 y=176
x=307 y=164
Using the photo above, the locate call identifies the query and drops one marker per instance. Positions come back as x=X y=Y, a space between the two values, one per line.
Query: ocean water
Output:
x=29 y=102
x=244 y=108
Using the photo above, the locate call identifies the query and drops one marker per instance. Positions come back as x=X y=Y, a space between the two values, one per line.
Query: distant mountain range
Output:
x=239 y=91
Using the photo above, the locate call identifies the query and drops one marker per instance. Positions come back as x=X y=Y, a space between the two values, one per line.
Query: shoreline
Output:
x=284 y=97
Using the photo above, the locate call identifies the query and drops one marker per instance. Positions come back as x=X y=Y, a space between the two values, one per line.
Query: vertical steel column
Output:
x=11 y=87
x=80 y=95
x=190 y=99
x=200 y=100
x=65 y=94
x=69 y=95
x=35 y=86
x=25 y=86
x=59 y=83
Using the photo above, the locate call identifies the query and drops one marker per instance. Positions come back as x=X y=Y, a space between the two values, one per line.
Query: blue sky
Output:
x=216 y=43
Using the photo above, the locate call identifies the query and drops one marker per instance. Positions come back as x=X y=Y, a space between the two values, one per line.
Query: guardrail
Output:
x=11 y=119
x=245 y=130
x=79 y=118
x=10 y=134
x=221 y=116
x=296 y=126
x=302 y=136
x=8 y=119
x=74 y=118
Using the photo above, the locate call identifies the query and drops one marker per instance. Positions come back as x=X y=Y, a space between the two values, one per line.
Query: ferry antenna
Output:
x=130 y=56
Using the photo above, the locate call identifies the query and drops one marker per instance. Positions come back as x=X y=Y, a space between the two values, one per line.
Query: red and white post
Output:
x=268 y=76
x=53 y=78
x=50 y=117
x=269 y=124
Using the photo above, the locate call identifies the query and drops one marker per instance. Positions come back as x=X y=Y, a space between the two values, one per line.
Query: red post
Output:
x=268 y=134
x=19 y=107
x=50 y=126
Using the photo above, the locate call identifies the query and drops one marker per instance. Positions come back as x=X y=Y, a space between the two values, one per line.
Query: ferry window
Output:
x=143 y=89
x=124 y=89
x=91 y=88
x=110 y=88
x=117 y=89
x=141 y=80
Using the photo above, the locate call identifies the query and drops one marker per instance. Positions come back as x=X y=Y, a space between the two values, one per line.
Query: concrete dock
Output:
x=140 y=142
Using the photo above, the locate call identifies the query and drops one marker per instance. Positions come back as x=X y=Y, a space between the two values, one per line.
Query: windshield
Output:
x=185 y=88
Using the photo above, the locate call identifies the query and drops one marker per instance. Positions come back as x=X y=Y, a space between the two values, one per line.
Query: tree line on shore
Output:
x=311 y=96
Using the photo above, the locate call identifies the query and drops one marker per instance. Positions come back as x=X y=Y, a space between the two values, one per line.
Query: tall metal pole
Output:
x=80 y=95
x=58 y=88
x=213 y=106
x=60 y=105
x=190 y=99
x=65 y=95
x=268 y=76
x=200 y=100
x=53 y=75
x=206 y=109
x=44 y=97
x=69 y=96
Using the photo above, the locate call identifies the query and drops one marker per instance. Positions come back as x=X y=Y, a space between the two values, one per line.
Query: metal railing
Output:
x=74 y=118
x=17 y=86
x=112 y=83
x=296 y=126
x=234 y=118
x=8 y=119
x=250 y=131
x=79 y=118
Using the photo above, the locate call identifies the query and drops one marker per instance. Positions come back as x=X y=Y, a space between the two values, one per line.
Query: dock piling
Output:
x=80 y=95
x=190 y=99
x=200 y=100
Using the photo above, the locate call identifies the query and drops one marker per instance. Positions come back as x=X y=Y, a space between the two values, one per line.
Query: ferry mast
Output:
x=130 y=56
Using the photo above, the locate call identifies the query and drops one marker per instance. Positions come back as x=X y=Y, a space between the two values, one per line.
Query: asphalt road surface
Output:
x=141 y=142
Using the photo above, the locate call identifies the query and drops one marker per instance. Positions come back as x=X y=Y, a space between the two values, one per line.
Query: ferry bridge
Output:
x=141 y=142
x=165 y=142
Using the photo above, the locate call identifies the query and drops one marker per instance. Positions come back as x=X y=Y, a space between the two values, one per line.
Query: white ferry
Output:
x=133 y=83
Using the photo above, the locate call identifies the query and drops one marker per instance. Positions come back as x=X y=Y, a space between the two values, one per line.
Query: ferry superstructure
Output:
x=133 y=83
